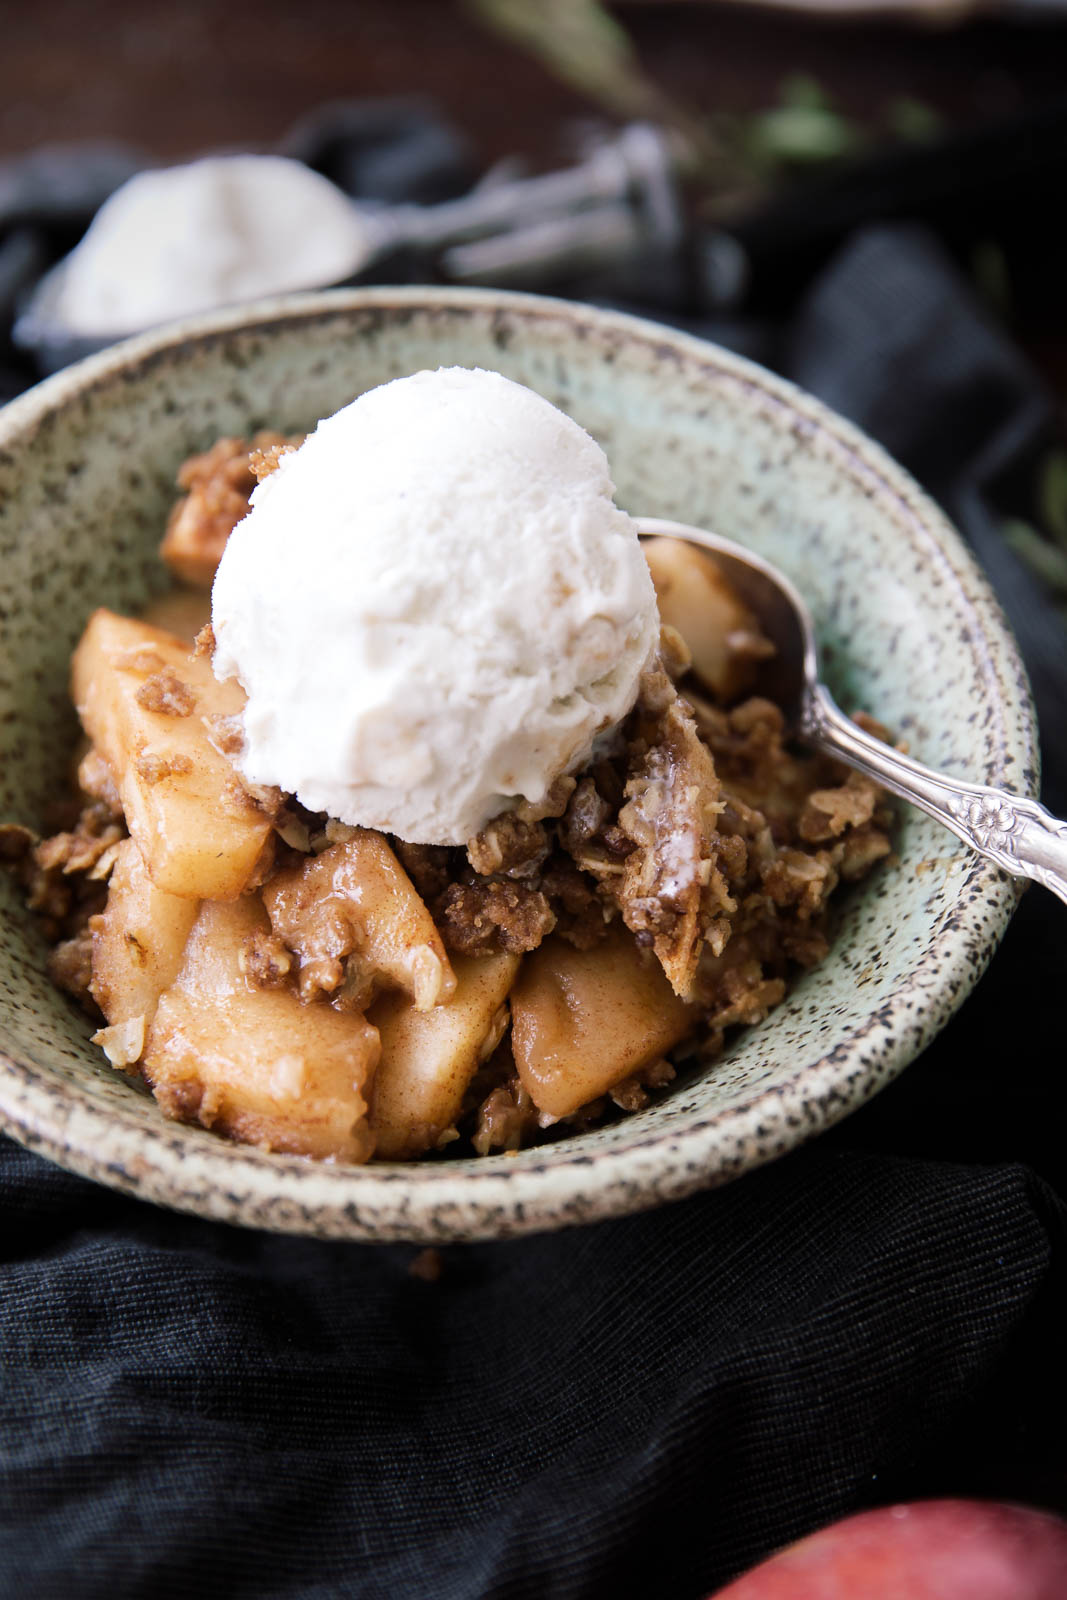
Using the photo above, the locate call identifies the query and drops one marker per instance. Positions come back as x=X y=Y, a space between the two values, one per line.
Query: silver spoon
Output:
x=1018 y=834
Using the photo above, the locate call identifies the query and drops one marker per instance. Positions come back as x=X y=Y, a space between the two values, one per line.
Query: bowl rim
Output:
x=189 y=1169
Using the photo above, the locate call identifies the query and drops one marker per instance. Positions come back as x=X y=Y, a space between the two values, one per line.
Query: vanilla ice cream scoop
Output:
x=175 y=241
x=434 y=606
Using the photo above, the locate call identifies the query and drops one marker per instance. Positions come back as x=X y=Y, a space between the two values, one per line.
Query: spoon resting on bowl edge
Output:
x=1018 y=834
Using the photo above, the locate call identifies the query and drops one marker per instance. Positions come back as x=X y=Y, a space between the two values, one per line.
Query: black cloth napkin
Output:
x=642 y=1407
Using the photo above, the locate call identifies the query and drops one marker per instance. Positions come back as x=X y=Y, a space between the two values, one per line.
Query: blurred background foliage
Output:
x=731 y=160
x=590 y=49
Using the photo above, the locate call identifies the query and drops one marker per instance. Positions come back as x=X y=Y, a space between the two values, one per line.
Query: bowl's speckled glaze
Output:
x=87 y=464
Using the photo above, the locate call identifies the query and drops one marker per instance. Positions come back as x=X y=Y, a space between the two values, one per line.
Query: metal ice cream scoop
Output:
x=1018 y=834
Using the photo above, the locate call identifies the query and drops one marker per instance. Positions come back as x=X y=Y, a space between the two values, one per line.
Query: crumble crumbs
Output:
x=218 y=484
x=153 y=767
x=479 y=917
x=167 y=694
x=265 y=961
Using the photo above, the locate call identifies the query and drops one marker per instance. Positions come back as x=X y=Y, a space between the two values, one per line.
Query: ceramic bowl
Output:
x=912 y=633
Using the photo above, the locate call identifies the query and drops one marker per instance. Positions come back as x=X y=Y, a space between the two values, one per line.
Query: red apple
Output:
x=931 y=1550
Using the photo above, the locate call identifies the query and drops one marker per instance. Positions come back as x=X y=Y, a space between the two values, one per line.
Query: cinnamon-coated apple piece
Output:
x=356 y=900
x=254 y=1063
x=928 y=1550
x=722 y=633
x=583 y=1020
x=138 y=942
x=150 y=707
x=429 y=1057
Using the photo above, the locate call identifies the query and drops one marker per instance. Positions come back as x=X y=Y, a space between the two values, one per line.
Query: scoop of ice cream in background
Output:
x=180 y=240
x=434 y=606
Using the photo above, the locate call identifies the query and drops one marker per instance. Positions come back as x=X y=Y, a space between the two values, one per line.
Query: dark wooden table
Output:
x=186 y=77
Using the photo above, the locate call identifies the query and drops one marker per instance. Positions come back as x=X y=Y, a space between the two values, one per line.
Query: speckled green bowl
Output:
x=87 y=464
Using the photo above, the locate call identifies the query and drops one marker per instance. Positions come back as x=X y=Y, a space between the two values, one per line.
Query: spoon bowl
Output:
x=783 y=614
x=1015 y=832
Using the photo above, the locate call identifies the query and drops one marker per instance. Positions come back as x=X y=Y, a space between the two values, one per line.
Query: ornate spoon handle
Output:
x=1018 y=834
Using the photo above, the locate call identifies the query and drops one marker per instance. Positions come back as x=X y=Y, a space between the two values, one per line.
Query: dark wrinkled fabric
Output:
x=574 y=1415
x=893 y=337
x=642 y=1407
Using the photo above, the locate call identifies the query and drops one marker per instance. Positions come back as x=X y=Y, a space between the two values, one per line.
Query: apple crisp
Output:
x=293 y=982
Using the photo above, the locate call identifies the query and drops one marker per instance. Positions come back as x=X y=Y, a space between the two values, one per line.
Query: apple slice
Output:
x=429 y=1057
x=583 y=1020
x=138 y=941
x=722 y=633
x=144 y=700
x=356 y=899
x=257 y=1064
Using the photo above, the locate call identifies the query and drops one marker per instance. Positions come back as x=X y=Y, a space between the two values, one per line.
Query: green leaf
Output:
x=802 y=92
x=803 y=136
x=990 y=272
x=1045 y=559
x=1052 y=496
x=580 y=42
x=914 y=120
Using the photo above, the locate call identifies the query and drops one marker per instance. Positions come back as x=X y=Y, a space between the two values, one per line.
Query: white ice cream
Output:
x=434 y=606
x=179 y=240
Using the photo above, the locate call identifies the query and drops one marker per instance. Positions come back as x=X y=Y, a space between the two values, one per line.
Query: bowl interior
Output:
x=910 y=632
